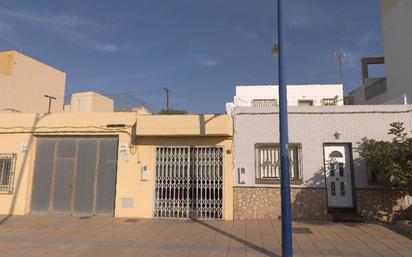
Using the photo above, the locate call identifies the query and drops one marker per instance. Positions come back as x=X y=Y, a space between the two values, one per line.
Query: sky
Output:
x=200 y=50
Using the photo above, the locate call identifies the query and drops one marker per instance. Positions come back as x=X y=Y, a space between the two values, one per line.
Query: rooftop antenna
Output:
x=339 y=59
x=167 y=98
x=50 y=100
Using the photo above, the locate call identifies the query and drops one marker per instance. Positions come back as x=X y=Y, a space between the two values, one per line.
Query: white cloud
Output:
x=353 y=59
x=247 y=33
x=368 y=38
x=71 y=28
x=83 y=39
x=107 y=47
x=49 y=18
x=5 y=27
x=8 y=35
x=206 y=61
x=303 y=15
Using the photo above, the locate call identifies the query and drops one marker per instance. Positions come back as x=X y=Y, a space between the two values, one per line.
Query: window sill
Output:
x=6 y=190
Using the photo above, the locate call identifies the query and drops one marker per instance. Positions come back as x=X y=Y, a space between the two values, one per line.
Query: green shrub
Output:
x=390 y=162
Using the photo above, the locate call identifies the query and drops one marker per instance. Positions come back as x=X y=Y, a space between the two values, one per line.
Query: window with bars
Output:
x=264 y=102
x=267 y=163
x=7 y=166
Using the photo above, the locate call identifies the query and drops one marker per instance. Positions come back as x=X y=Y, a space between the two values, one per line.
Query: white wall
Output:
x=246 y=94
x=312 y=127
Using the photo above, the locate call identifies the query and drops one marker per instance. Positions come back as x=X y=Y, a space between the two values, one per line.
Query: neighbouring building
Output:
x=396 y=87
x=24 y=82
x=89 y=102
x=260 y=95
x=116 y=164
x=326 y=171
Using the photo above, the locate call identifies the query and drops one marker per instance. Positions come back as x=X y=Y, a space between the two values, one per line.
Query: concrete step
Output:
x=346 y=217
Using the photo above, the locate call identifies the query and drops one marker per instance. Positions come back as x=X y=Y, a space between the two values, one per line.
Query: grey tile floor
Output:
x=38 y=236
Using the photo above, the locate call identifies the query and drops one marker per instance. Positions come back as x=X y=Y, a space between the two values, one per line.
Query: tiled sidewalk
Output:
x=38 y=236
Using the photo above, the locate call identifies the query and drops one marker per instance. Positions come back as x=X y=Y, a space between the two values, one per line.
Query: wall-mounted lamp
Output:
x=24 y=147
x=337 y=135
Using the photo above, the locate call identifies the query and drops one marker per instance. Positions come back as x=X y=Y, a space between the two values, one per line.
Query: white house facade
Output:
x=326 y=171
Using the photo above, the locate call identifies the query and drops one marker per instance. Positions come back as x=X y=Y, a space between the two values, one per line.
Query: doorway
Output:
x=338 y=172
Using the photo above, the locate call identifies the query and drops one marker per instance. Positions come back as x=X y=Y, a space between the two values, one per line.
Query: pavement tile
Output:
x=61 y=236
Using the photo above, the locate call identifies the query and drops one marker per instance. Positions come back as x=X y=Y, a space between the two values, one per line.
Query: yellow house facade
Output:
x=118 y=164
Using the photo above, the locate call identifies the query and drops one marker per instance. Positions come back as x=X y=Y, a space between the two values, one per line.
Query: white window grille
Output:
x=305 y=102
x=264 y=102
x=267 y=164
x=7 y=166
x=329 y=101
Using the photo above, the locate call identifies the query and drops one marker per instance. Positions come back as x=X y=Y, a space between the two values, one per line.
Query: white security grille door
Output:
x=189 y=182
x=172 y=184
x=207 y=182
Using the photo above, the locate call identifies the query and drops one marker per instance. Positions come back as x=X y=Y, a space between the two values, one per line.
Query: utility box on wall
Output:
x=242 y=175
x=144 y=172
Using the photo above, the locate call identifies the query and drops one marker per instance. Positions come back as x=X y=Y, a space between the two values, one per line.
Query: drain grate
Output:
x=302 y=230
x=85 y=217
x=132 y=220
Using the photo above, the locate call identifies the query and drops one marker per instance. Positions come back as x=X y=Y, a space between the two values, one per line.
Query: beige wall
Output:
x=129 y=183
x=24 y=82
x=189 y=125
x=90 y=102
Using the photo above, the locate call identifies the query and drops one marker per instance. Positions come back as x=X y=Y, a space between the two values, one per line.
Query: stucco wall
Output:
x=90 y=102
x=25 y=81
x=312 y=127
x=18 y=129
x=130 y=184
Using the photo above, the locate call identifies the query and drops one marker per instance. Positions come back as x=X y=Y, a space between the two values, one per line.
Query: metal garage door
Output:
x=75 y=175
x=189 y=182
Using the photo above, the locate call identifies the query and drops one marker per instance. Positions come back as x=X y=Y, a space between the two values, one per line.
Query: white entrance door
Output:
x=338 y=176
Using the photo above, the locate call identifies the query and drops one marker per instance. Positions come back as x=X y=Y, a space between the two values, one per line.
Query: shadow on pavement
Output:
x=239 y=240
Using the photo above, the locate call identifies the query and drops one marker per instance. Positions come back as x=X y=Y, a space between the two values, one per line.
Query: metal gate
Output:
x=189 y=182
x=75 y=175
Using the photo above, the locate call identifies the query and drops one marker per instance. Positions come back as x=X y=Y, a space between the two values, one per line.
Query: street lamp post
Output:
x=279 y=50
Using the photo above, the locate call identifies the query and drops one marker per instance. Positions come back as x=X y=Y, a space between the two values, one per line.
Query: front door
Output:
x=338 y=176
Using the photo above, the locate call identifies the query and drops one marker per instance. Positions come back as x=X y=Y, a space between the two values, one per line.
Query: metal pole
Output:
x=287 y=250
x=167 y=97
x=50 y=99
